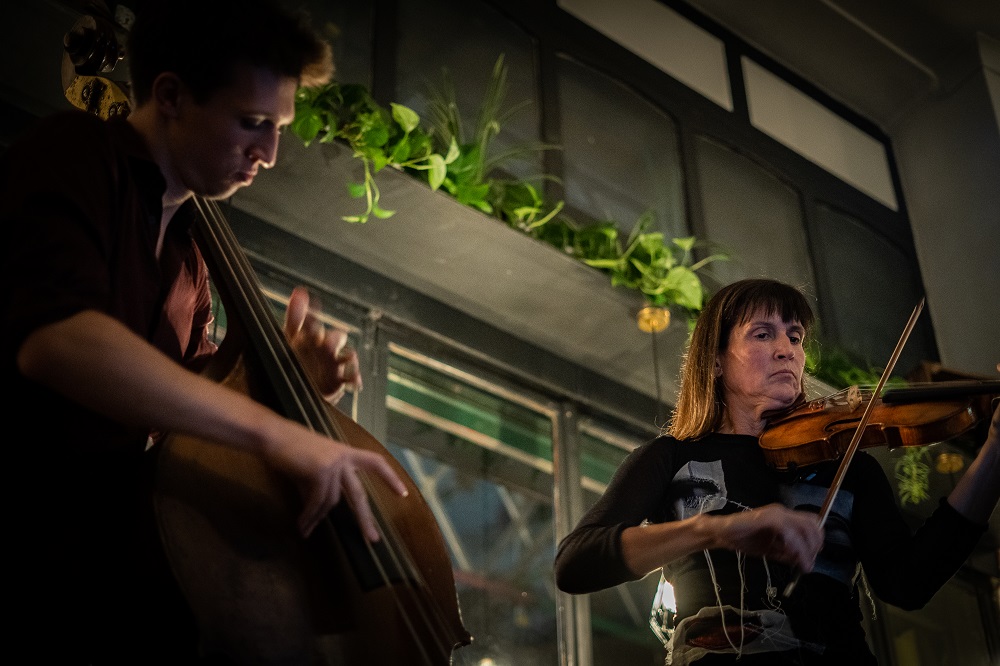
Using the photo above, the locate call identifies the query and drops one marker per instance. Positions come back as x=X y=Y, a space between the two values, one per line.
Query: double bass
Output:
x=260 y=592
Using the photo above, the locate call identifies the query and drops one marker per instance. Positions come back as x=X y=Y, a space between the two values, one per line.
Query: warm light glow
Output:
x=949 y=463
x=652 y=319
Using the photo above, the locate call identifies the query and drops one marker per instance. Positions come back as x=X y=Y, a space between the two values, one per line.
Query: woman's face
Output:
x=761 y=368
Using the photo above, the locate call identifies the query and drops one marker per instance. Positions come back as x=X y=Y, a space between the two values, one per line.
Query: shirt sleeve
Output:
x=906 y=568
x=589 y=558
x=57 y=191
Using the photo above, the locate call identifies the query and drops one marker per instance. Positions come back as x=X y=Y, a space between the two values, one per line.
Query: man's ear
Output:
x=168 y=93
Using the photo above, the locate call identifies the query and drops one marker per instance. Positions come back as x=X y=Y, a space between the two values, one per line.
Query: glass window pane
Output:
x=619 y=616
x=661 y=36
x=753 y=216
x=620 y=152
x=871 y=289
x=948 y=630
x=812 y=130
x=476 y=36
x=484 y=463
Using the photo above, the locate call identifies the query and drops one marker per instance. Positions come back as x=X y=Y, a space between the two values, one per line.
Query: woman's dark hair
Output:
x=203 y=41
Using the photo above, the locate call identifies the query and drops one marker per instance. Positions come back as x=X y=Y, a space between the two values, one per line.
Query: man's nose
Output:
x=264 y=151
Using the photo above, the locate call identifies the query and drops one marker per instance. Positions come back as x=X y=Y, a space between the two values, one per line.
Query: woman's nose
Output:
x=785 y=349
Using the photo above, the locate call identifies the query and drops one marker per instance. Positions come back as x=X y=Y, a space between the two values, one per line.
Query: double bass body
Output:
x=261 y=593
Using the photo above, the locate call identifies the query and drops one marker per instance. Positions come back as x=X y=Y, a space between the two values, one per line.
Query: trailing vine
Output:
x=467 y=168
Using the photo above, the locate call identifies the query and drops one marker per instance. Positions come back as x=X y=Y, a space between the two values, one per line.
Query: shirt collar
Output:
x=148 y=177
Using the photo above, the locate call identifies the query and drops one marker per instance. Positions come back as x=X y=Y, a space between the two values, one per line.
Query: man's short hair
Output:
x=203 y=41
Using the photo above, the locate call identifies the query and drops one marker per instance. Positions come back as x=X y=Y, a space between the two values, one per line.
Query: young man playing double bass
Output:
x=107 y=308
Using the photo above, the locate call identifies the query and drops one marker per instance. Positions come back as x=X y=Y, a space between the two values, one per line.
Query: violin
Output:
x=832 y=432
x=821 y=430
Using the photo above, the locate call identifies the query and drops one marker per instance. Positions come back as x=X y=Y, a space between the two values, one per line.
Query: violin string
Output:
x=313 y=413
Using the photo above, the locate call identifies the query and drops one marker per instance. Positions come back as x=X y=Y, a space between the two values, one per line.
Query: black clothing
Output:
x=668 y=480
x=81 y=201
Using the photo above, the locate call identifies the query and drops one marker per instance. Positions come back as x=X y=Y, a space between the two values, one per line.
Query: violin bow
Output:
x=845 y=462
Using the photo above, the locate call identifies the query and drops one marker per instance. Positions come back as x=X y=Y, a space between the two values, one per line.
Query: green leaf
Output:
x=401 y=151
x=379 y=160
x=453 y=152
x=357 y=190
x=405 y=116
x=438 y=171
x=354 y=218
x=381 y=213
x=421 y=145
x=306 y=127
x=687 y=286
x=474 y=195
x=686 y=244
x=603 y=263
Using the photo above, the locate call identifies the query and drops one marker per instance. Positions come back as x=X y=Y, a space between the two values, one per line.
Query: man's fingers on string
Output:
x=298 y=309
x=349 y=370
x=319 y=502
x=358 y=499
x=374 y=463
x=336 y=341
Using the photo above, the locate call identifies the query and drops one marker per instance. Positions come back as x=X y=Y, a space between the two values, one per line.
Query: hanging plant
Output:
x=467 y=168
x=913 y=474
x=379 y=138
x=665 y=273
x=474 y=178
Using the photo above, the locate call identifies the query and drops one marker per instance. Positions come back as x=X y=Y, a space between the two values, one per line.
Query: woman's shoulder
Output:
x=711 y=447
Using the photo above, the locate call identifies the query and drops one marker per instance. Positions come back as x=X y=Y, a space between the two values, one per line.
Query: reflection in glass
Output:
x=484 y=464
x=619 y=616
x=753 y=216
x=620 y=153
x=872 y=286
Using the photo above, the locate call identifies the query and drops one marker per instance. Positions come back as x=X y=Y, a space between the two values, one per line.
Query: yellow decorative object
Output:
x=653 y=319
x=99 y=96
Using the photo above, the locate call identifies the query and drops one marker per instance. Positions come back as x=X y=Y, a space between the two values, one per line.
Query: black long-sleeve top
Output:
x=667 y=480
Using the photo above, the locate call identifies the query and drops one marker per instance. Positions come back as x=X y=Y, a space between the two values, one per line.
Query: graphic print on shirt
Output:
x=698 y=487
x=837 y=559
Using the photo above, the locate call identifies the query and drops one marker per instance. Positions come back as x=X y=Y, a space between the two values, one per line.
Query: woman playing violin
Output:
x=702 y=504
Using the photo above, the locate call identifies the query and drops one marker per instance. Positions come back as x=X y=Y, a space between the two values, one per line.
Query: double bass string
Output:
x=286 y=371
x=302 y=398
